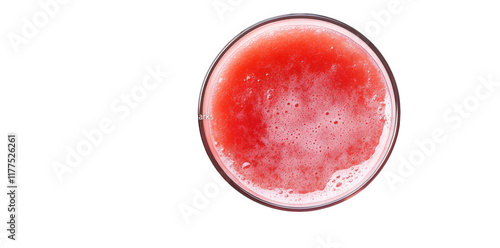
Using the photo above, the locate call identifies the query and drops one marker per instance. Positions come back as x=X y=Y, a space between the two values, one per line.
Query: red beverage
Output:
x=299 y=112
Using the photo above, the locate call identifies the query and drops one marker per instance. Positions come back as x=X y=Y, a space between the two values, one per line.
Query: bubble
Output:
x=245 y=165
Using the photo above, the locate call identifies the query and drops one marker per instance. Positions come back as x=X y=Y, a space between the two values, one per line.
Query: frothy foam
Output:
x=295 y=129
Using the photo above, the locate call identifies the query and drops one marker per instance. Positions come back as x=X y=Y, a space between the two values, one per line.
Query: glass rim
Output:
x=391 y=138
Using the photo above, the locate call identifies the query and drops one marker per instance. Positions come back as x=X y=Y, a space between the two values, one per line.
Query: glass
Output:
x=266 y=26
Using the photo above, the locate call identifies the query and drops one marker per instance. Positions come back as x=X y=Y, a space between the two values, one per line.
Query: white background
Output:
x=129 y=190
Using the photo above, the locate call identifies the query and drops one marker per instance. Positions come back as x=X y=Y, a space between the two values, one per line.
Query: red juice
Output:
x=301 y=113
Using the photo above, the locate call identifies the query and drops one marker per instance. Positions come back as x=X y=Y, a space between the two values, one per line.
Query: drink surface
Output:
x=300 y=113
